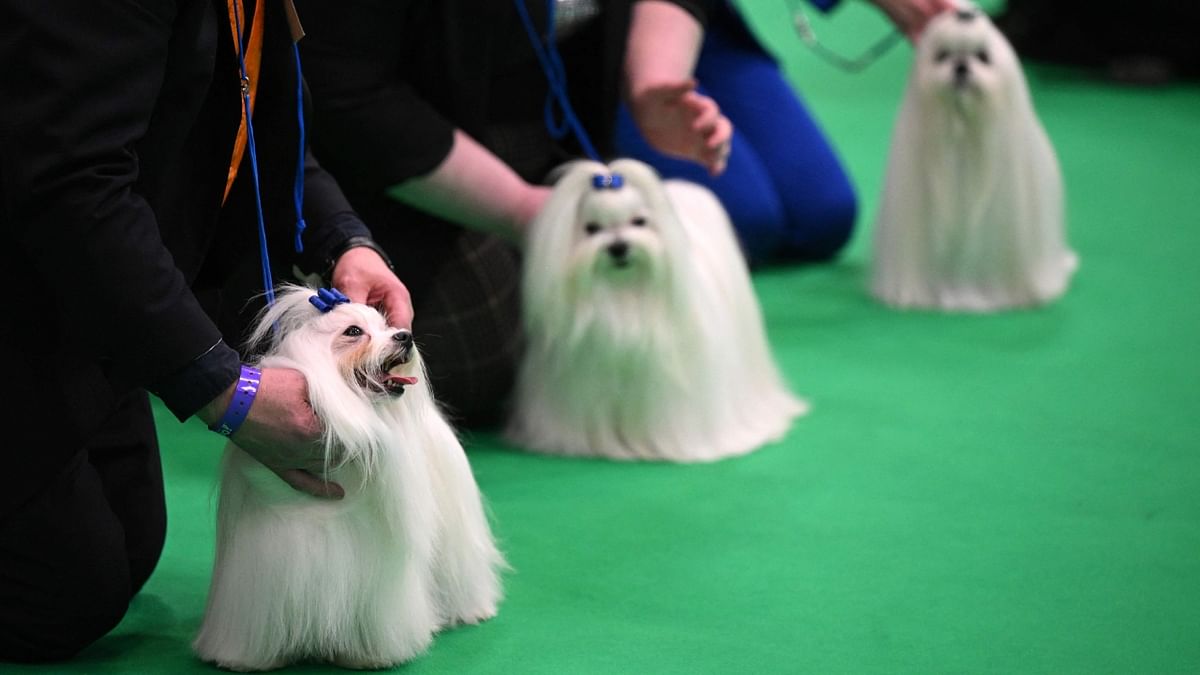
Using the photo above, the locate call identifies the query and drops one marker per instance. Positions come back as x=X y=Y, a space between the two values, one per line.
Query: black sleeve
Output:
x=373 y=125
x=330 y=218
x=79 y=86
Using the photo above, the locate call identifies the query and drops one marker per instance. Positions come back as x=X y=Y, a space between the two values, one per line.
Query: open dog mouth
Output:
x=385 y=381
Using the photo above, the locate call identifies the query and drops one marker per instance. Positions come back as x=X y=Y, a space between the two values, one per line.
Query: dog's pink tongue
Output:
x=402 y=379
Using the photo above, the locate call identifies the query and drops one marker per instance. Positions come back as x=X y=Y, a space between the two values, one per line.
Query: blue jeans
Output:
x=784 y=188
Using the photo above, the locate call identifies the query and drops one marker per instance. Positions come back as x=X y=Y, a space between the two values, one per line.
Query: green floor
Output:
x=1016 y=493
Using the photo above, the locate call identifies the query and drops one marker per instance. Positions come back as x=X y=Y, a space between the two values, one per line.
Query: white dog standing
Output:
x=645 y=339
x=972 y=214
x=366 y=581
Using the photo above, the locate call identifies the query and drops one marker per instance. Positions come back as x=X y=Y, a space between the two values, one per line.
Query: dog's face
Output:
x=617 y=240
x=371 y=354
x=963 y=60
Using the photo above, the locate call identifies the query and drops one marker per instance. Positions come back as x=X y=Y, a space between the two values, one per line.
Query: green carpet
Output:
x=1013 y=493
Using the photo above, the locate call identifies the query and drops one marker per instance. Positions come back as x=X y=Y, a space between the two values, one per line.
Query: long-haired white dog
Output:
x=644 y=336
x=972 y=214
x=366 y=581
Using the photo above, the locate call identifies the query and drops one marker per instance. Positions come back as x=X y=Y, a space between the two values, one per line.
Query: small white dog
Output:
x=644 y=337
x=366 y=581
x=972 y=215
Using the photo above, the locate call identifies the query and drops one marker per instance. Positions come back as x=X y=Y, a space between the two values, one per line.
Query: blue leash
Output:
x=556 y=77
x=298 y=187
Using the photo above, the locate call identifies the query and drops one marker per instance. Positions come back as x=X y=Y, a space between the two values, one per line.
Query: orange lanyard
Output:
x=253 y=59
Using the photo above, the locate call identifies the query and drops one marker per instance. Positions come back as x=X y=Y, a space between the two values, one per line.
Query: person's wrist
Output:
x=235 y=404
x=353 y=243
x=640 y=95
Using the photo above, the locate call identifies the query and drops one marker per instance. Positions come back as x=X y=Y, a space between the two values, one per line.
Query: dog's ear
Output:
x=290 y=308
x=556 y=174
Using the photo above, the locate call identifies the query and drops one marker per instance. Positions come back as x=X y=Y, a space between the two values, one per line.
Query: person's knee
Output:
x=821 y=225
x=757 y=216
x=146 y=550
x=56 y=624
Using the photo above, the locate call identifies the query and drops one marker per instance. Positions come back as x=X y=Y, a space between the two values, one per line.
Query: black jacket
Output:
x=117 y=124
x=392 y=79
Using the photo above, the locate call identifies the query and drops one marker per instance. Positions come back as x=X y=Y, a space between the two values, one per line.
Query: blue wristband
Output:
x=239 y=405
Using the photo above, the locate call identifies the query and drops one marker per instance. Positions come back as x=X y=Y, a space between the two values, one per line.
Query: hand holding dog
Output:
x=282 y=432
x=281 y=429
x=364 y=277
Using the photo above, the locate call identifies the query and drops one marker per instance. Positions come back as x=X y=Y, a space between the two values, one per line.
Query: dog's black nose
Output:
x=965 y=14
x=960 y=70
x=618 y=249
x=404 y=337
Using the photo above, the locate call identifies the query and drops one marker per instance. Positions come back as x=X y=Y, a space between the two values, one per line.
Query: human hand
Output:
x=911 y=16
x=364 y=277
x=681 y=122
x=282 y=431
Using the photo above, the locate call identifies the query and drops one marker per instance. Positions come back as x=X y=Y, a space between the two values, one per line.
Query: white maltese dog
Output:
x=644 y=336
x=971 y=217
x=366 y=581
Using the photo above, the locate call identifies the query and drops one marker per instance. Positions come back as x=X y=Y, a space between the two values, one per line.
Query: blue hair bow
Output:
x=327 y=298
x=602 y=181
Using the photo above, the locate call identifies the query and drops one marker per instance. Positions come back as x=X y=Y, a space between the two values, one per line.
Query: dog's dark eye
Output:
x=638 y=221
x=352 y=331
x=941 y=55
x=592 y=228
x=983 y=56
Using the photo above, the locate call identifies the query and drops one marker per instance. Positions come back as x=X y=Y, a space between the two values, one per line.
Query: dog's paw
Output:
x=357 y=662
x=472 y=617
x=248 y=667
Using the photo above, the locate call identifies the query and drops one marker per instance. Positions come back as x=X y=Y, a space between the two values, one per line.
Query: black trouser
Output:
x=72 y=557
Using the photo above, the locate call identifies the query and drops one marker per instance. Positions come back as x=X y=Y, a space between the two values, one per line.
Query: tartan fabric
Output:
x=468 y=328
x=465 y=287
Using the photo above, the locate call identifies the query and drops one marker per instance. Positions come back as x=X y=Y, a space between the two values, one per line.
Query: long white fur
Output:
x=666 y=359
x=366 y=581
x=972 y=214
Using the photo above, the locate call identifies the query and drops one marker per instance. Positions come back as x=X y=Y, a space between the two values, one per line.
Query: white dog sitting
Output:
x=972 y=215
x=644 y=337
x=366 y=581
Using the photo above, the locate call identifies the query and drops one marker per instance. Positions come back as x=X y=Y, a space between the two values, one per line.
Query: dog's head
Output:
x=333 y=337
x=606 y=229
x=617 y=235
x=963 y=60
x=370 y=354
x=608 y=248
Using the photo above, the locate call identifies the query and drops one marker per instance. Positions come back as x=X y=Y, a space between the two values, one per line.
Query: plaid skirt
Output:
x=468 y=327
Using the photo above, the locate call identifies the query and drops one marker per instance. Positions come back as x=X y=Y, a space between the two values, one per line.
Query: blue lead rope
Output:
x=268 y=278
x=298 y=190
x=556 y=77
x=298 y=186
